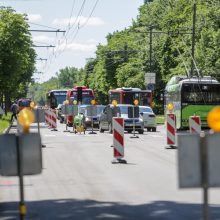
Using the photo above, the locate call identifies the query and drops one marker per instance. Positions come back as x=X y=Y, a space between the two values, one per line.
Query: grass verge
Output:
x=4 y=122
x=160 y=119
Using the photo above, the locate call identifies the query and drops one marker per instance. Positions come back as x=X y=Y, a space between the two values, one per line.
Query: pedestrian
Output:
x=14 y=109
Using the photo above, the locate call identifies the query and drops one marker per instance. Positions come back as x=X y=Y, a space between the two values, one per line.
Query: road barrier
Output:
x=195 y=124
x=47 y=117
x=171 y=129
x=118 y=139
x=53 y=118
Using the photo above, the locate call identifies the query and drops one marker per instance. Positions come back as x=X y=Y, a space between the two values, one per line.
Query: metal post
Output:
x=133 y=123
x=150 y=62
x=92 y=132
x=38 y=124
x=134 y=136
x=22 y=207
x=193 y=37
x=204 y=170
x=66 y=119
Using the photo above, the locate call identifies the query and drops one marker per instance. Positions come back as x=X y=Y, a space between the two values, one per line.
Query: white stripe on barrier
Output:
x=118 y=137
x=118 y=127
x=193 y=124
x=53 y=119
x=171 y=129
x=119 y=147
x=171 y=121
x=171 y=136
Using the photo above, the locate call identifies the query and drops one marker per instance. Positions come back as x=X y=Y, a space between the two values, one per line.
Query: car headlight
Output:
x=88 y=119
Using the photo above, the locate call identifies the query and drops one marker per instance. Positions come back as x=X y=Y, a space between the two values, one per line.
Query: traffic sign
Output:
x=150 y=86
x=150 y=78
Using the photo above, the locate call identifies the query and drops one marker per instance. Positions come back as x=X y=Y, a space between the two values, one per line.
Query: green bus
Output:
x=191 y=96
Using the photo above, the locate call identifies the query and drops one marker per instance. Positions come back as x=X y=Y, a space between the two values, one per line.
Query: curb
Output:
x=6 y=131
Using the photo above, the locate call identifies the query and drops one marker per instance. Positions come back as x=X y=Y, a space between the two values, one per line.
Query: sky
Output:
x=86 y=24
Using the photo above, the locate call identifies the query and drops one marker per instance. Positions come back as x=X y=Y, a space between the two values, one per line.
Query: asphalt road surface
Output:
x=79 y=181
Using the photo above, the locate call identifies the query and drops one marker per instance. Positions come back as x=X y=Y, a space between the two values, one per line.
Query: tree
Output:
x=17 y=57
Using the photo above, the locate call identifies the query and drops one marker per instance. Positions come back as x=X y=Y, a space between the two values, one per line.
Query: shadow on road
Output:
x=90 y=210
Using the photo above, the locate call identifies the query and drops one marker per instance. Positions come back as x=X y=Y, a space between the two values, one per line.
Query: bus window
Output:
x=114 y=96
x=129 y=97
x=201 y=94
x=56 y=97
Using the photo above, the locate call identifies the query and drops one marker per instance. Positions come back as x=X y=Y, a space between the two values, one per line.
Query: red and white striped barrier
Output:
x=118 y=139
x=47 y=116
x=195 y=124
x=171 y=129
x=53 y=119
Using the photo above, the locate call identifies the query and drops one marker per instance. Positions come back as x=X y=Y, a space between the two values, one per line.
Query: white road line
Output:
x=49 y=135
x=155 y=136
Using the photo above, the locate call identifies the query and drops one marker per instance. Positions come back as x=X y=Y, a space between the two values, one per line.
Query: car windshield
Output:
x=124 y=109
x=83 y=110
x=100 y=109
x=145 y=109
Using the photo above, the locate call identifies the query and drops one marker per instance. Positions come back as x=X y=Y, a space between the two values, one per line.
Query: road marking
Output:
x=155 y=136
x=49 y=135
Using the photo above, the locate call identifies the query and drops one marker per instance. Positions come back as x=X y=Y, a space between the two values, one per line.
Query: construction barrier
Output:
x=195 y=124
x=47 y=117
x=171 y=129
x=118 y=139
x=53 y=119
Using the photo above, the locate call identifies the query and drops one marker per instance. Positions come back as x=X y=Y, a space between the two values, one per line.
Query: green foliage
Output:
x=17 y=58
x=67 y=77
x=126 y=56
x=4 y=122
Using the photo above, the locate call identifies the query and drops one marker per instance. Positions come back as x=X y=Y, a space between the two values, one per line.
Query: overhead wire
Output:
x=75 y=31
x=41 y=25
x=194 y=62
x=187 y=70
x=63 y=39
x=199 y=75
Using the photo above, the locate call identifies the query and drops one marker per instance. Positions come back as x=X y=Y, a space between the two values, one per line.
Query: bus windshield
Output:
x=144 y=97
x=60 y=99
x=86 y=100
x=201 y=93
x=56 y=97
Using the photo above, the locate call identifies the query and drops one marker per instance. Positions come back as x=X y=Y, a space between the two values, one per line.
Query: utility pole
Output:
x=193 y=38
x=150 y=61
x=125 y=53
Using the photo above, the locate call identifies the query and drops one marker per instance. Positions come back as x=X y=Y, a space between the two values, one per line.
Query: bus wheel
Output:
x=154 y=129
x=148 y=129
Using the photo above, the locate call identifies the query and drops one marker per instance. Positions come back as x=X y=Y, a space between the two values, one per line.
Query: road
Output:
x=80 y=182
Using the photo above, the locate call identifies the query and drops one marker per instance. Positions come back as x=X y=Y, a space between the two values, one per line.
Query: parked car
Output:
x=148 y=117
x=105 y=123
x=99 y=111
x=60 y=116
x=89 y=119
